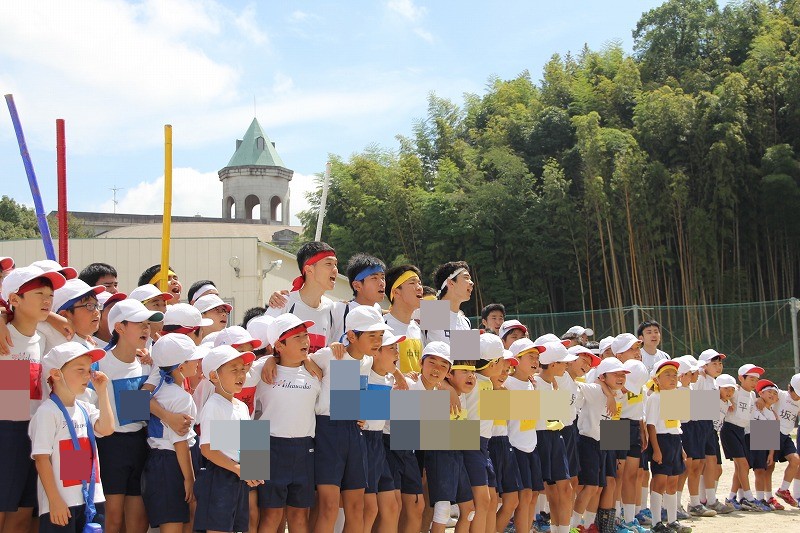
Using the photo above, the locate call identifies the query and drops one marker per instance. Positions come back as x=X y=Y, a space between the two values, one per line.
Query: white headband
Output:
x=451 y=276
x=203 y=289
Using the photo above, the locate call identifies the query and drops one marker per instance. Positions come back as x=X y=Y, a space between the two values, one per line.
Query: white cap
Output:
x=623 y=342
x=209 y=302
x=508 y=356
x=611 y=364
x=20 y=276
x=491 y=346
x=521 y=345
x=236 y=336
x=284 y=323
x=438 y=349
x=172 y=349
x=365 y=318
x=389 y=338
x=638 y=375
x=508 y=325
x=583 y=350
x=220 y=355
x=795 y=383
x=665 y=362
x=726 y=380
x=687 y=364
x=751 y=370
x=580 y=330
x=74 y=288
x=708 y=355
x=48 y=265
x=209 y=339
x=132 y=311
x=146 y=292
x=544 y=339
x=200 y=352
x=64 y=353
x=6 y=263
x=605 y=344
x=258 y=327
x=554 y=352
x=107 y=298
x=182 y=314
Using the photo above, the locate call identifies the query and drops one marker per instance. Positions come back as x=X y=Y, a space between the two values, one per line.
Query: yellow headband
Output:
x=463 y=367
x=405 y=276
x=664 y=368
x=526 y=352
x=429 y=297
x=157 y=276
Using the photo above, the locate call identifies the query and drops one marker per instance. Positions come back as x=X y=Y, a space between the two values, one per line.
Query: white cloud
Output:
x=424 y=34
x=407 y=9
x=246 y=22
x=299 y=16
x=282 y=83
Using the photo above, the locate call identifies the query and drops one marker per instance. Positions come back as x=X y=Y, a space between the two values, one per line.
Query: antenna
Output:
x=254 y=106
x=114 y=200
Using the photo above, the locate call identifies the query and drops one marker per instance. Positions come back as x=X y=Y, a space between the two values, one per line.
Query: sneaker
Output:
x=733 y=503
x=540 y=525
x=701 y=510
x=775 y=504
x=677 y=527
x=785 y=496
x=661 y=527
x=620 y=527
x=682 y=514
x=644 y=517
x=510 y=529
x=751 y=505
x=704 y=501
x=721 y=508
x=545 y=517
x=664 y=516
x=634 y=525
x=765 y=506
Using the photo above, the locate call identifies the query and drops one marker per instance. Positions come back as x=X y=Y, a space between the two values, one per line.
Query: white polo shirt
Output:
x=289 y=403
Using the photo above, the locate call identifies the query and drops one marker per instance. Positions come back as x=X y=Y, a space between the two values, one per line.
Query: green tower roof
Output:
x=255 y=149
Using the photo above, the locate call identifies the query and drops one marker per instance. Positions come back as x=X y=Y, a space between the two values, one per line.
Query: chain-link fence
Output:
x=761 y=333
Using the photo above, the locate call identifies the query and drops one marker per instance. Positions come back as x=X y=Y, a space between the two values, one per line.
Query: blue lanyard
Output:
x=88 y=492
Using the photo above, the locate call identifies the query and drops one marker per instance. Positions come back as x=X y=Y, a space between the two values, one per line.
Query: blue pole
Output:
x=44 y=229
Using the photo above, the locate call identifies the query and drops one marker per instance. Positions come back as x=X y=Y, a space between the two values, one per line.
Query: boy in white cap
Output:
x=77 y=303
x=454 y=285
x=108 y=300
x=211 y=306
x=29 y=293
x=510 y=331
x=762 y=461
x=577 y=335
x=726 y=384
x=222 y=495
x=185 y=319
x=154 y=300
x=168 y=476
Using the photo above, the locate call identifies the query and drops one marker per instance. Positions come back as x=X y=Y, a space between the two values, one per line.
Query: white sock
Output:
x=768 y=495
x=541 y=503
x=630 y=511
x=546 y=504
x=679 y=495
x=796 y=488
x=576 y=519
x=759 y=495
x=618 y=507
x=645 y=493
x=339 y=526
x=702 y=492
x=733 y=496
x=785 y=485
x=740 y=494
x=671 y=503
x=747 y=494
x=655 y=506
x=694 y=500
x=589 y=517
x=711 y=496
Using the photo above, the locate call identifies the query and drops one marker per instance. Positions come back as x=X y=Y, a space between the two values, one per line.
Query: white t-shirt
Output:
x=764 y=414
x=289 y=403
x=125 y=377
x=723 y=412
x=321 y=333
x=458 y=321
x=541 y=385
x=593 y=410
x=744 y=403
x=378 y=382
x=174 y=399
x=219 y=408
x=651 y=360
x=411 y=348
x=49 y=436
x=566 y=383
x=324 y=358
x=705 y=382
x=473 y=404
x=205 y=388
x=633 y=401
x=521 y=433
x=652 y=414
x=28 y=349
x=339 y=317
x=52 y=337
x=787 y=412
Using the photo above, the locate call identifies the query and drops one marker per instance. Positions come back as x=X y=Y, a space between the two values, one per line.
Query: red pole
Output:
x=61 y=165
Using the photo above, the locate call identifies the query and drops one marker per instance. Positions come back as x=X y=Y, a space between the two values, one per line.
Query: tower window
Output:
x=260 y=143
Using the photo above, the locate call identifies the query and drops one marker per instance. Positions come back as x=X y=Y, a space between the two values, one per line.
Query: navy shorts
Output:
x=552 y=456
x=162 y=489
x=198 y=461
x=480 y=469
x=758 y=459
x=671 y=456
x=593 y=462
x=76 y=522
x=340 y=456
x=291 y=472
x=787 y=447
x=447 y=477
x=635 y=449
x=17 y=469
x=733 y=441
x=403 y=465
x=570 y=436
x=644 y=461
x=506 y=469
x=693 y=439
x=122 y=459
x=718 y=450
x=610 y=460
x=222 y=500
x=530 y=470
x=379 y=477
x=708 y=436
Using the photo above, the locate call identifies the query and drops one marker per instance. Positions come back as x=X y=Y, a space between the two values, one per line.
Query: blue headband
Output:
x=375 y=269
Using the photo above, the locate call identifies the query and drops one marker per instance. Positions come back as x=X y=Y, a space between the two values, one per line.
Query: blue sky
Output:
x=327 y=77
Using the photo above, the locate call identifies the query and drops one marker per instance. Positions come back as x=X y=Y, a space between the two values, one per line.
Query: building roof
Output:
x=263 y=232
x=252 y=152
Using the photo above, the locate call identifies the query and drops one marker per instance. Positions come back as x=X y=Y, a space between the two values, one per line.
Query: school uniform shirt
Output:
x=377 y=382
x=457 y=322
x=521 y=433
x=51 y=336
x=205 y=388
x=219 y=408
x=653 y=416
x=339 y=312
x=28 y=349
x=500 y=428
x=473 y=404
x=324 y=358
x=321 y=333
x=594 y=409
x=633 y=401
x=289 y=403
x=723 y=412
x=764 y=414
x=50 y=436
x=566 y=383
x=174 y=399
x=410 y=349
x=743 y=403
x=651 y=360
x=125 y=377
x=705 y=383
x=787 y=411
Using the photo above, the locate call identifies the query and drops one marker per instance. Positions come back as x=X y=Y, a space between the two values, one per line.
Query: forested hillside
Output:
x=666 y=177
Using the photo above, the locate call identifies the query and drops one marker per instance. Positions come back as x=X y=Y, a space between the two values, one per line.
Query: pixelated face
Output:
x=409 y=293
x=513 y=335
x=109 y=282
x=726 y=393
x=76 y=374
x=324 y=272
x=231 y=375
x=134 y=333
x=651 y=335
x=494 y=320
x=463 y=381
x=668 y=379
x=35 y=303
x=372 y=288
x=713 y=368
x=748 y=383
x=85 y=322
x=434 y=369
x=615 y=380
x=369 y=342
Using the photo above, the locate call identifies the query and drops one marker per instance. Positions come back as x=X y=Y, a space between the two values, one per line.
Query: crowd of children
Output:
x=120 y=412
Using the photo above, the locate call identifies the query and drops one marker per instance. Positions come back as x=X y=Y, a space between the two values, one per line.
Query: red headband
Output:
x=300 y=280
x=35 y=283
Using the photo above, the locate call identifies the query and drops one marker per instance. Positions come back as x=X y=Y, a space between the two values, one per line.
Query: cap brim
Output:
x=116 y=297
x=68 y=272
x=248 y=357
x=394 y=340
x=255 y=342
x=56 y=279
x=569 y=358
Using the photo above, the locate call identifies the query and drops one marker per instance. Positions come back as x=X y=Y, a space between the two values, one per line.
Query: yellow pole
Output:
x=165 y=224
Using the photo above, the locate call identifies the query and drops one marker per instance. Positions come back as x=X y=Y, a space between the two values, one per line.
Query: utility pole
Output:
x=114 y=199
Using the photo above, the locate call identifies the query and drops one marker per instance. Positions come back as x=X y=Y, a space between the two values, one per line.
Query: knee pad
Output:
x=441 y=512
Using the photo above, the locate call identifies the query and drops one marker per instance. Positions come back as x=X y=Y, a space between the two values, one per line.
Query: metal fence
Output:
x=761 y=333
